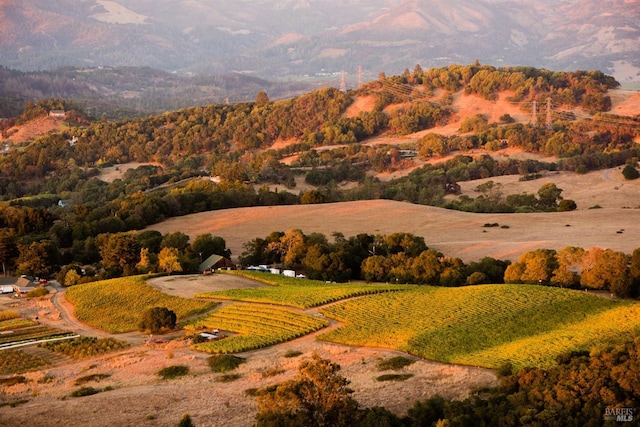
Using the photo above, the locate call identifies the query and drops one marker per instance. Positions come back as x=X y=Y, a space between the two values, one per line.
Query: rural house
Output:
x=57 y=114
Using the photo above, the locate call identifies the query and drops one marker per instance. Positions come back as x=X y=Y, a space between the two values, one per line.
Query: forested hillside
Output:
x=220 y=156
x=127 y=92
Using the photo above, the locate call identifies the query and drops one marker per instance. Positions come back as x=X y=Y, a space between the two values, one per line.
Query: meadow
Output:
x=116 y=305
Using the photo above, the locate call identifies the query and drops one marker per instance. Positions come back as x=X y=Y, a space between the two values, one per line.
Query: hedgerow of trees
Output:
x=405 y=258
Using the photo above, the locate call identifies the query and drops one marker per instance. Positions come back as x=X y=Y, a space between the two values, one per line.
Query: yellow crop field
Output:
x=257 y=326
x=301 y=293
x=484 y=325
x=116 y=305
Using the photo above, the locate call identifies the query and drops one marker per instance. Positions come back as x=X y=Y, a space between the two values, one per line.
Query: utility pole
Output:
x=534 y=116
x=548 y=121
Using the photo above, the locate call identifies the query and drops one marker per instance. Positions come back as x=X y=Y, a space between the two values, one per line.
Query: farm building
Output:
x=214 y=262
x=24 y=285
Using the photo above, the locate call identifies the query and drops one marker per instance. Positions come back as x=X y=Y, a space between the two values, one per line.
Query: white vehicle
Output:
x=208 y=336
x=6 y=289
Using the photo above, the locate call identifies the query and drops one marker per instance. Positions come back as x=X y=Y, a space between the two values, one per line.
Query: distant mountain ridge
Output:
x=292 y=38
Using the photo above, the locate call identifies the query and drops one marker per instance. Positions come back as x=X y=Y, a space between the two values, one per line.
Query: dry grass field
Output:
x=454 y=233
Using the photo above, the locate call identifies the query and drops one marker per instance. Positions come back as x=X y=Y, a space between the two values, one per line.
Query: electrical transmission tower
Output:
x=343 y=83
x=548 y=119
x=359 y=76
x=534 y=111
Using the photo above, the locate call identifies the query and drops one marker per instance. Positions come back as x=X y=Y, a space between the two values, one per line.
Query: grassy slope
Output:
x=117 y=305
x=485 y=325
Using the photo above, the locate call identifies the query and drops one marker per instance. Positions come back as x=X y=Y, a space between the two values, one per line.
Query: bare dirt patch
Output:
x=625 y=102
x=190 y=285
x=34 y=129
x=111 y=173
x=139 y=396
x=361 y=104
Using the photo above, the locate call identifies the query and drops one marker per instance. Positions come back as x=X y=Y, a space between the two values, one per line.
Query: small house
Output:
x=57 y=114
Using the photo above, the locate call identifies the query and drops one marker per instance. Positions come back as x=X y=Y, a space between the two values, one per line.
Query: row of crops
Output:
x=16 y=330
x=85 y=346
x=301 y=293
x=17 y=361
x=116 y=305
x=484 y=325
x=257 y=326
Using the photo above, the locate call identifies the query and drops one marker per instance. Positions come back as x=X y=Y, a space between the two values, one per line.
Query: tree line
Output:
x=405 y=258
x=594 y=388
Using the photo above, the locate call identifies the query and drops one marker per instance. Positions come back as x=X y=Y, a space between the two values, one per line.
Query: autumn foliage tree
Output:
x=318 y=397
x=120 y=252
x=169 y=260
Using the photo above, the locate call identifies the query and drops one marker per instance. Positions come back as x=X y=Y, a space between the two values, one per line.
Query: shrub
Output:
x=477 y=278
x=293 y=353
x=630 y=172
x=394 y=377
x=85 y=391
x=171 y=372
x=272 y=372
x=505 y=369
x=40 y=291
x=185 y=421
x=506 y=118
x=227 y=378
x=89 y=378
x=224 y=362
x=567 y=205
x=8 y=382
x=156 y=319
x=397 y=362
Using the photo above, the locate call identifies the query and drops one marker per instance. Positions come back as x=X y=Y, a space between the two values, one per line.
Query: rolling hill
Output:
x=280 y=38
